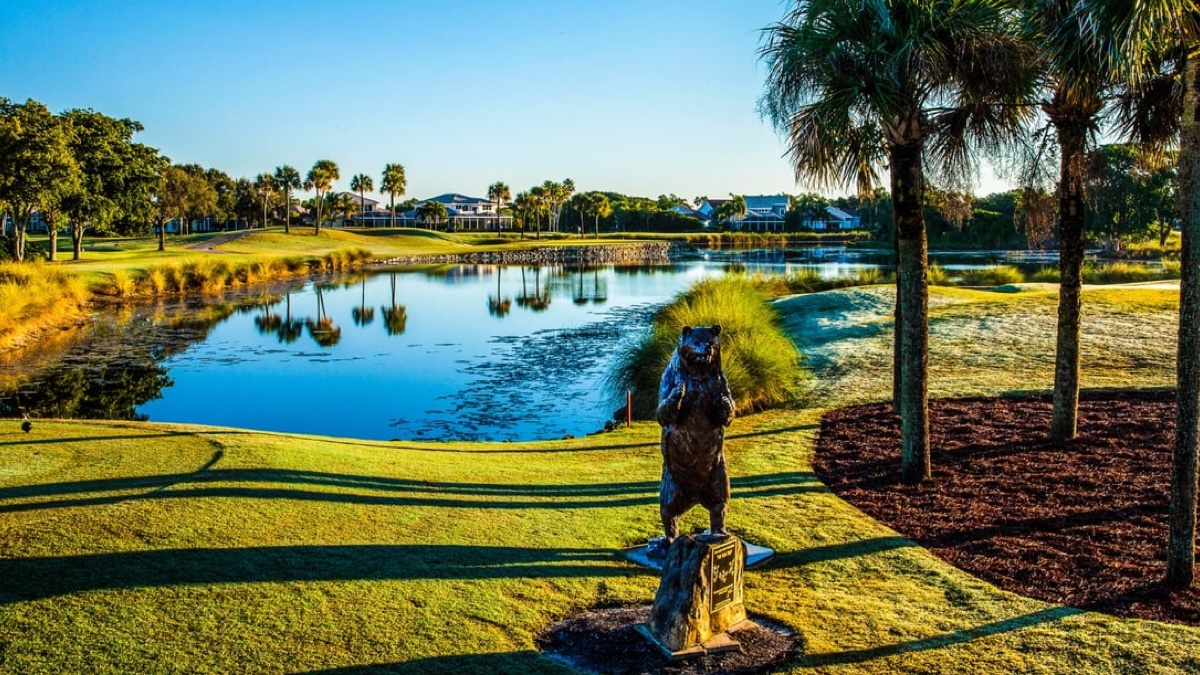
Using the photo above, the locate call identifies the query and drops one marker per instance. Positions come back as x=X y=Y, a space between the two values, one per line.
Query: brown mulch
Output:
x=607 y=641
x=1081 y=523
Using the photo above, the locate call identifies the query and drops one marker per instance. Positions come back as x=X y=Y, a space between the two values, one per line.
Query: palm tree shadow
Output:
x=503 y=663
x=29 y=579
x=1043 y=616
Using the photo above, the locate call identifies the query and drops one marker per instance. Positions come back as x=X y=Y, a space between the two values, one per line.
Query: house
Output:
x=465 y=213
x=764 y=213
x=369 y=213
x=834 y=219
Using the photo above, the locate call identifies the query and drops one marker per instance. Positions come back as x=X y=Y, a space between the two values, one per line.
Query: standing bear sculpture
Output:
x=694 y=407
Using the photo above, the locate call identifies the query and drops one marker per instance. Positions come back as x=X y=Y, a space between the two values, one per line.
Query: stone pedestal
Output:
x=700 y=597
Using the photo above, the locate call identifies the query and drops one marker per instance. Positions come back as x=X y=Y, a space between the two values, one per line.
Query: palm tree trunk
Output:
x=287 y=212
x=1181 y=547
x=897 y=322
x=908 y=186
x=1072 y=139
x=317 y=228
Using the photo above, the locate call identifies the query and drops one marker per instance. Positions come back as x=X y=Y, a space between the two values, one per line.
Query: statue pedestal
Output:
x=700 y=598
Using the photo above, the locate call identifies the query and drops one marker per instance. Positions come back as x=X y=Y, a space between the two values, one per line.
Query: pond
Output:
x=457 y=352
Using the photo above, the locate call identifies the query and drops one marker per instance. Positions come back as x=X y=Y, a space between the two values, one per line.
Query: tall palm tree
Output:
x=362 y=184
x=915 y=84
x=393 y=183
x=433 y=213
x=498 y=192
x=264 y=185
x=1078 y=75
x=320 y=178
x=1139 y=27
x=287 y=179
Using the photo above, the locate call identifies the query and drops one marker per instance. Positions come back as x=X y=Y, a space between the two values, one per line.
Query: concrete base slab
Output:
x=756 y=556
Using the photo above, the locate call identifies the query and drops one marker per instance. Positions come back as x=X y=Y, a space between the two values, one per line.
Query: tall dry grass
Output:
x=35 y=296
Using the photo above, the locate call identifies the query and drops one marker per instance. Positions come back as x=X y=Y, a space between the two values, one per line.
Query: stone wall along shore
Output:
x=658 y=251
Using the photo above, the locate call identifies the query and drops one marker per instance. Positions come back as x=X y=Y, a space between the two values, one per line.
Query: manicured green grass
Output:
x=155 y=548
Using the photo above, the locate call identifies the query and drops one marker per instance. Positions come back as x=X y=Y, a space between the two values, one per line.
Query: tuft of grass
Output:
x=1001 y=275
x=1046 y=275
x=35 y=296
x=938 y=276
x=760 y=362
x=121 y=283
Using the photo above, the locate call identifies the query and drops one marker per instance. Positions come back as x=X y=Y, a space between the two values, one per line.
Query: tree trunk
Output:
x=162 y=235
x=53 y=232
x=897 y=322
x=76 y=241
x=392 y=201
x=1072 y=138
x=1181 y=547
x=287 y=212
x=908 y=186
x=317 y=227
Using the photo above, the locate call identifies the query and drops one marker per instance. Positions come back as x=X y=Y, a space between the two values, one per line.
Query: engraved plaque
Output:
x=722 y=561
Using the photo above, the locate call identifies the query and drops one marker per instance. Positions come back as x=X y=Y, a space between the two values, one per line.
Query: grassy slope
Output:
x=164 y=549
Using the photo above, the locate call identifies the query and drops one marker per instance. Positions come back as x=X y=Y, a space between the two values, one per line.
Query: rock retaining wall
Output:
x=607 y=253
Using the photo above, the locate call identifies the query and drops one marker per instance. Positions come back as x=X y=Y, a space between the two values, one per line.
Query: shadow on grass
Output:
x=506 y=663
x=1044 y=616
x=27 y=579
x=370 y=490
x=851 y=549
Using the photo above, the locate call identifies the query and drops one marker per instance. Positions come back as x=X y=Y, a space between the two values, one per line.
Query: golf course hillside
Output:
x=156 y=548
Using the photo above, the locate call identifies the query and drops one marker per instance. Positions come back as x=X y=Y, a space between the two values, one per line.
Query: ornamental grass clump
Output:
x=1116 y=273
x=121 y=283
x=1001 y=275
x=760 y=362
x=33 y=294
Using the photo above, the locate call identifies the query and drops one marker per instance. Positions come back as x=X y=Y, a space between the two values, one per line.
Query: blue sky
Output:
x=643 y=97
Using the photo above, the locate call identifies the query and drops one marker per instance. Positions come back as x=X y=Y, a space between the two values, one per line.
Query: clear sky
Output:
x=644 y=97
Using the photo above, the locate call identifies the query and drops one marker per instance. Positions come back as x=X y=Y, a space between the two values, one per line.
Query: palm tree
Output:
x=393 y=183
x=1078 y=75
x=734 y=207
x=915 y=84
x=539 y=199
x=601 y=207
x=320 y=178
x=362 y=184
x=499 y=193
x=523 y=204
x=264 y=185
x=1141 y=28
x=433 y=213
x=286 y=180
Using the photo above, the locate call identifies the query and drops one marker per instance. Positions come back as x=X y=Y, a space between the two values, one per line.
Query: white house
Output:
x=764 y=213
x=835 y=219
x=467 y=213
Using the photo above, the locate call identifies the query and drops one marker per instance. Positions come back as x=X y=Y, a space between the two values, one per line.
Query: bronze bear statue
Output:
x=694 y=407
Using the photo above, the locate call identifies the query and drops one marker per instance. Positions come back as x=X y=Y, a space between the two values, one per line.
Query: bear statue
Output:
x=694 y=407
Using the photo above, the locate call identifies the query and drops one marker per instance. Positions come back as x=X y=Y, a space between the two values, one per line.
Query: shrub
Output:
x=760 y=362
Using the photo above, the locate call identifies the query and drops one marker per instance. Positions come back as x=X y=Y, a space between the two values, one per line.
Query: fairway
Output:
x=154 y=548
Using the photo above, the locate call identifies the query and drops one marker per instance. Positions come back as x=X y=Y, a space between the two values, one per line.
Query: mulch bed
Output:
x=607 y=641
x=1082 y=523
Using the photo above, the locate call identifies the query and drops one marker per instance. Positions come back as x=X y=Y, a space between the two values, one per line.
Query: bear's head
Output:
x=700 y=349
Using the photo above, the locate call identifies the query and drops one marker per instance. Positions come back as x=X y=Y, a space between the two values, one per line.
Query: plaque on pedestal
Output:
x=700 y=598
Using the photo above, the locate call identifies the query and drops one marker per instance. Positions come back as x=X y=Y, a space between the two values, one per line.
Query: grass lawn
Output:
x=151 y=548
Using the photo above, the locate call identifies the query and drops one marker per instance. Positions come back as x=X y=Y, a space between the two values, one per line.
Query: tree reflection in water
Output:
x=363 y=315
x=395 y=318
x=110 y=377
x=499 y=306
x=322 y=330
x=539 y=301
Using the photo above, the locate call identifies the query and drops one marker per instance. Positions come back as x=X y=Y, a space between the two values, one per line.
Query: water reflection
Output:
x=395 y=316
x=363 y=315
x=440 y=369
x=322 y=329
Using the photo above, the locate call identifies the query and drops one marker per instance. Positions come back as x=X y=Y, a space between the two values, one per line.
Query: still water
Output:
x=471 y=352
